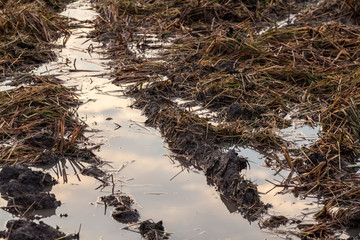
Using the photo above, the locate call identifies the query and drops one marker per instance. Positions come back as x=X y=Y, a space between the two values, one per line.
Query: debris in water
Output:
x=123 y=211
x=153 y=231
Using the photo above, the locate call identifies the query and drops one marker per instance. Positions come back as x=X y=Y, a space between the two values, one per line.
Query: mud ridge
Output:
x=198 y=146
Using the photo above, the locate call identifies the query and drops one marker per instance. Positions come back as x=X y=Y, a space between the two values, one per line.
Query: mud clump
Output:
x=28 y=230
x=223 y=171
x=224 y=168
x=123 y=211
x=36 y=201
x=152 y=231
x=20 y=179
x=124 y=214
x=26 y=189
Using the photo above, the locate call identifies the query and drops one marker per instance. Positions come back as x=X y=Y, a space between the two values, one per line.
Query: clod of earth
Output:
x=28 y=230
x=26 y=190
x=125 y=214
x=123 y=211
x=21 y=179
x=153 y=231
x=33 y=201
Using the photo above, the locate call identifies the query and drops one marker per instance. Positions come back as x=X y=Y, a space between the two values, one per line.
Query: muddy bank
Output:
x=27 y=230
x=38 y=124
x=36 y=114
x=196 y=143
x=255 y=74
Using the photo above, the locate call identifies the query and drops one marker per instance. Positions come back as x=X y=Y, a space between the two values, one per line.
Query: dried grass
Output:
x=27 y=30
x=37 y=120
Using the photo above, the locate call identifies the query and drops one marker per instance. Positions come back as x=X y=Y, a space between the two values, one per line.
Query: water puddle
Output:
x=283 y=202
x=5 y=85
x=138 y=160
x=291 y=18
x=201 y=111
x=299 y=134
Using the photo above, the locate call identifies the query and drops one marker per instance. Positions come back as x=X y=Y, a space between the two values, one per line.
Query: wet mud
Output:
x=196 y=144
x=27 y=230
x=26 y=191
x=123 y=212
x=150 y=230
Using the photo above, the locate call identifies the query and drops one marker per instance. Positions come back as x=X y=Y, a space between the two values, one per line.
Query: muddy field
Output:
x=177 y=119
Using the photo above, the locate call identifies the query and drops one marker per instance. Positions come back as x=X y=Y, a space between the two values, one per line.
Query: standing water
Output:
x=138 y=160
